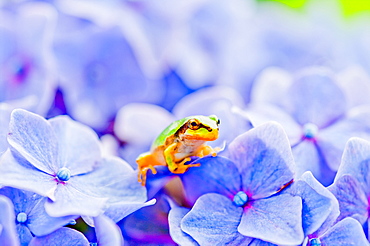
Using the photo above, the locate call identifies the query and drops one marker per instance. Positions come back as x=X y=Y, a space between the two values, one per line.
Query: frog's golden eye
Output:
x=218 y=121
x=194 y=124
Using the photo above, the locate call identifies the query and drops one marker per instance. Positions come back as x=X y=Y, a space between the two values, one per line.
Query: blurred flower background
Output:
x=122 y=70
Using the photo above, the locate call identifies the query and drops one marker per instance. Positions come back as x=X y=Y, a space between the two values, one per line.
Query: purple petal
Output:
x=315 y=98
x=8 y=233
x=271 y=86
x=346 y=232
x=33 y=138
x=332 y=140
x=78 y=145
x=63 y=237
x=116 y=181
x=174 y=220
x=18 y=173
x=308 y=158
x=262 y=113
x=352 y=200
x=315 y=207
x=24 y=234
x=70 y=201
x=355 y=162
x=268 y=220
x=215 y=175
x=131 y=123
x=214 y=219
x=107 y=232
x=334 y=205
x=264 y=159
x=38 y=221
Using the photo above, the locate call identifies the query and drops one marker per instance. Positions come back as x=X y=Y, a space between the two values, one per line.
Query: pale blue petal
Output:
x=264 y=158
x=20 y=174
x=346 y=232
x=315 y=207
x=62 y=237
x=174 y=220
x=33 y=138
x=115 y=180
x=107 y=232
x=215 y=175
x=24 y=234
x=277 y=219
x=356 y=162
x=352 y=200
x=315 y=98
x=78 y=145
x=5 y=111
x=214 y=219
x=38 y=221
x=70 y=201
x=8 y=233
x=334 y=205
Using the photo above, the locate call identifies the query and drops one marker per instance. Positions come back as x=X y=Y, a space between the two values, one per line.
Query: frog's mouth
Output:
x=204 y=133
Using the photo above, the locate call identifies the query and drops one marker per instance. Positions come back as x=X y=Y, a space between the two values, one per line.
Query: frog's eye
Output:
x=194 y=124
x=218 y=121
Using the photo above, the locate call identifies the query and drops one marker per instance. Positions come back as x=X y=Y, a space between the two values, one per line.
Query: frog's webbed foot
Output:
x=181 y=167
x=142 y=172
x=208 y=150
x=145 y=162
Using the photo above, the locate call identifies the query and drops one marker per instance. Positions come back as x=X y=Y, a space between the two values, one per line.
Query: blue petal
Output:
x=334 y=205
x=24 y=234
x=214 y=219
x=355 y=162
x=116 y=181
x=18 y=173
x=33 y=138
x=352 y=200
x=215 y=174
x=315 y=207
x=38 y=221
x=174 y=220
x=78 y=145
x=8 y=233
x=268 y=220
x=62 y=237
x=332 y=140
x=264 y=159
x=70 y=201
x=315 y=98
x=346 y=232
x=107 y=232
x=5 y=111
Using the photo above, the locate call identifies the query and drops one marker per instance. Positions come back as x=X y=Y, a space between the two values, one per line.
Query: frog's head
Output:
x=201 y=128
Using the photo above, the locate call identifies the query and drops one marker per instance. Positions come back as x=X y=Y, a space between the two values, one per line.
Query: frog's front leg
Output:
x=145 y=162
x=206 y=150
x=173 y=166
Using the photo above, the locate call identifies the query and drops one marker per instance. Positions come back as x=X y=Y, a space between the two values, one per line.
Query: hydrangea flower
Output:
x=8 y=231
x=64 y=237
x=313 y=110
x=351 y=185
x=25 y=55
x=105 y=76
x=30 y=215
x=60 y=159
x=229 y=194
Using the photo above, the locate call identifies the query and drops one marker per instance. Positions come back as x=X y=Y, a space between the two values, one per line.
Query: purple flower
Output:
x=351 y=185
x=25 y=67
x=60 y=159
x=107 y=232
x=104 y=76
x=8 y=231
x=312 y=108
x=239 y=198
x=31 y=217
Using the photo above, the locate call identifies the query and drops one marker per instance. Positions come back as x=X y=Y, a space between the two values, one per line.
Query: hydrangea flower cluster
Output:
x=87 y=86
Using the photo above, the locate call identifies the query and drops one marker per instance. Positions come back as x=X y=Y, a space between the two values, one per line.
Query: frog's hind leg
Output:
x=145 y=162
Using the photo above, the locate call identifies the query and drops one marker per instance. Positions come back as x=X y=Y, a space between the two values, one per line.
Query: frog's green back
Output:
x=169 y=131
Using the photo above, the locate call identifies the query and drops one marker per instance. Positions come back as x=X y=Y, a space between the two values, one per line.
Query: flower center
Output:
x=64 y=174
x=22 y=217
x=240 y=198
x=315 y=242
x=310 y=130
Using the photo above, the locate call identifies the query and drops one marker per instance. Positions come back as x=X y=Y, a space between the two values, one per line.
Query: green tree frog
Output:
x=177 y=143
